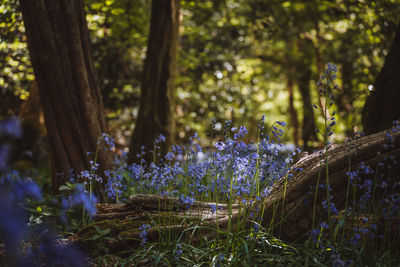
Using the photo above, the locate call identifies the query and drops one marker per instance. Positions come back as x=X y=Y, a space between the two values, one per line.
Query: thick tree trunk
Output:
x=126 y=219
x=156 y=113
x=382 y=106
x=58 y=42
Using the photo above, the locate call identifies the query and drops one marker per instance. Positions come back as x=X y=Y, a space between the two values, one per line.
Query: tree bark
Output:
x=382 y=105
x=58 y=43
x=156 y=113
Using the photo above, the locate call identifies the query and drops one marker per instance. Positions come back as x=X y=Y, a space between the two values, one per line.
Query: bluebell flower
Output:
x=220 y=145
x=187 y=200
x=80 y=197
x=115 y=184
x=108 y=140
x=160 y=139
x=178 y=251
x=169 y=156
x=13 y=221
x=143 y=233
x=4 y=152
x=10 y=127
x=27 y=188
x=213 y=208
x=352 y=175
x=337 y=261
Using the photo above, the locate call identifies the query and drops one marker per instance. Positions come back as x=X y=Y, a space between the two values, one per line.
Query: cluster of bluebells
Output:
x=16 y=193
x=336 y=260
x=190 y=173
x=317 y=234
x=90 y=177
x=9 y=129
x=116 y=185
x=79 y=198
x=372 y=193
x=107 y=140
x=42 y=247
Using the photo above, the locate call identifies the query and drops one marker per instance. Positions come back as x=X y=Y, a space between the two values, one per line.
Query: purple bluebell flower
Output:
x=178 y=251
x=143 y=233
x=213 y=208
x=160 y=139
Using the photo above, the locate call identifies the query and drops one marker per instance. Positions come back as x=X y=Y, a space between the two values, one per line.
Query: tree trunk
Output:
x=124 y=220
x=382 y=106
x=294 y=122
x=156 y=113
x=303 y=77
x=346 y=96
x=28 y=149
x=58 y=42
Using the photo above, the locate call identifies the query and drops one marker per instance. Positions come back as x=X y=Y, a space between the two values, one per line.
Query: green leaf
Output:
x=101 y=232
x=64 y=188
x=95 y=237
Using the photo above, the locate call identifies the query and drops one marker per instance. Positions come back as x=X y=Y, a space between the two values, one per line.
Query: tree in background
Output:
x=233 y=60
x=58 y=43
x=118 y=33
x=156 y=112
x=303 y=78
x=382 y=106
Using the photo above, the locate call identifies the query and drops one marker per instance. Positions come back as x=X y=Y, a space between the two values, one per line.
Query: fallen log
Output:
x=124 y=221
x=287 y=208
x=282 y=211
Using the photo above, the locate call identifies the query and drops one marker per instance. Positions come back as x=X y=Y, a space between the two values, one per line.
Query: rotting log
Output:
x=167 y=213
x=296 y=219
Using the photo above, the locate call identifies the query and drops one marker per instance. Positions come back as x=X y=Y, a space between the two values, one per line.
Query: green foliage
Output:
x=16 y=73
x=101 y=234
x=118 y=31
x=235 y=57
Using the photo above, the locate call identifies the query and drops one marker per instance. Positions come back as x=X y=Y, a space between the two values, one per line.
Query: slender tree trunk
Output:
x=156 y=113
x=318 y=61
x=303 y=81
x=294 y=122
x=308 y=129
x=346 y=97
x=58 y=42
x=382 y=106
